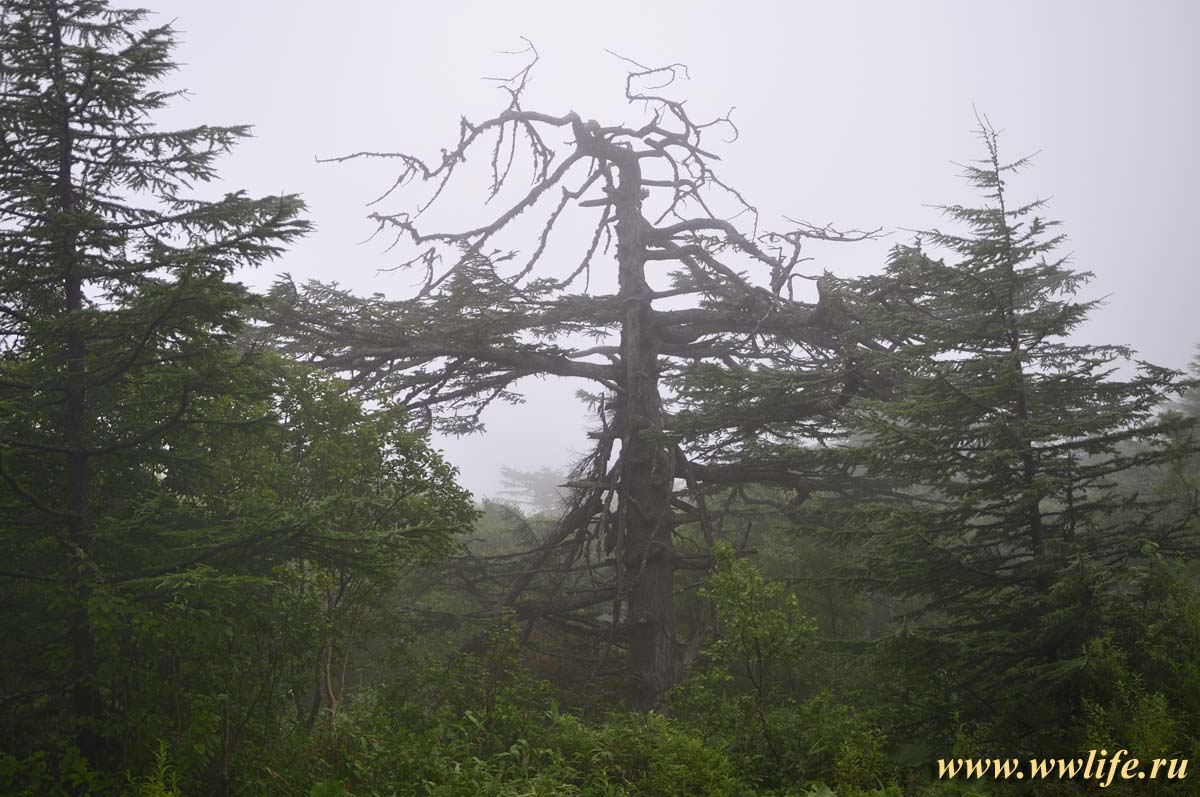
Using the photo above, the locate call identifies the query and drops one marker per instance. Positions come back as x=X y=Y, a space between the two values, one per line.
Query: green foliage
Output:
x=480 y=725
x=1004 y=474
x=327 y=506
x=117 y=319
x=218 y=562
x=744 y=703
x=1142 y=682
x=763 y=629
x=161 y=781
x=64 y=774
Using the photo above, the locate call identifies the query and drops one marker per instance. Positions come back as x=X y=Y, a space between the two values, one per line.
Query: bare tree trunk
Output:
x=647 y=477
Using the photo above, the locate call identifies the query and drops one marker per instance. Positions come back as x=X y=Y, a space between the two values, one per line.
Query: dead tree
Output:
x=485 y=318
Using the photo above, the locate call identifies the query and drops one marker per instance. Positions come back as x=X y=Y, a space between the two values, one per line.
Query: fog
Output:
x=850 y=113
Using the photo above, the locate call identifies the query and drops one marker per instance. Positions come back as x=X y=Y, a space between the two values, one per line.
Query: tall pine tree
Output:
x=1008 y=450
x=116 y=316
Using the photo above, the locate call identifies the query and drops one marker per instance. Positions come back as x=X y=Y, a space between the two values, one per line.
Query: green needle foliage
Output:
x=116 y=315
x=190 y=530
x=1015 y=458
x=199 y=540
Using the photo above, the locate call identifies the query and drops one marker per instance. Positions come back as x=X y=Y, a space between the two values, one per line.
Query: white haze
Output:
x=849 y=113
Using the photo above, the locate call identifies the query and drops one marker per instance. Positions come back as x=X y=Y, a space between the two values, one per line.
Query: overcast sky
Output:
x=850 y=112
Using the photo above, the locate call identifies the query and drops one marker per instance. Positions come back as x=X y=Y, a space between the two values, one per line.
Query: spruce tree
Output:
x=117 y=316
x=1008 y=449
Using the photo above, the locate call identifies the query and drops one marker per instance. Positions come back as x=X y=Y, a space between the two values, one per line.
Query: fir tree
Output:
x=1009 y=448
x=116 y=316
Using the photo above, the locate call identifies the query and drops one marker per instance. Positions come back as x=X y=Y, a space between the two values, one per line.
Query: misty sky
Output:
x=849 y=113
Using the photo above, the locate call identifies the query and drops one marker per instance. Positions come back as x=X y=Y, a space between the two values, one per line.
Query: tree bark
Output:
x=85 y=695
x=648 y=473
